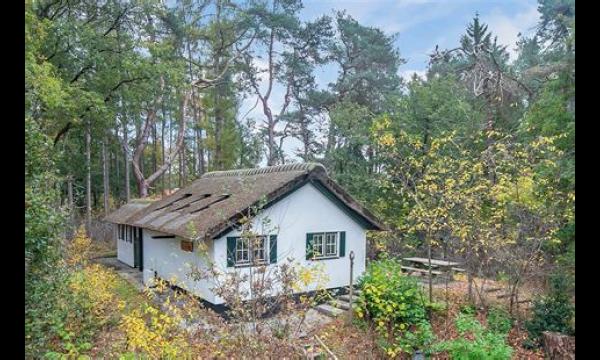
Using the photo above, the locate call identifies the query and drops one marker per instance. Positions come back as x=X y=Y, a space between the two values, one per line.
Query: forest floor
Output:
x=352 y=341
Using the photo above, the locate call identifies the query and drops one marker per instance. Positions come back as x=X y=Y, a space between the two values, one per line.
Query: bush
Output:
x=436 y=307
x=65 y=310
x=420 y=336
x=552 y=313
x=67 y=306
x=395 y=305
x=468 y=309
x=486 y=344
x=499 y=320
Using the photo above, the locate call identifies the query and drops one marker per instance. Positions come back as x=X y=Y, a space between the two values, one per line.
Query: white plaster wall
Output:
x=173 y=264
x=304 y=211
x=124 y=250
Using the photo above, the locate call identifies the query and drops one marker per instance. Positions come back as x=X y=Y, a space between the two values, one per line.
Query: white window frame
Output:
x=242 y=247
x=318 y=246
x=321 y=247
x=334 y=245
x=247 y=246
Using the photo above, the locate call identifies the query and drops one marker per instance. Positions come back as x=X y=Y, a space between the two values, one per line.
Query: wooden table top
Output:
x=433 y=261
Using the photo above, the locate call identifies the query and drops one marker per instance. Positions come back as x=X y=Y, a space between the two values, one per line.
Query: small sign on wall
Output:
x=187 y=245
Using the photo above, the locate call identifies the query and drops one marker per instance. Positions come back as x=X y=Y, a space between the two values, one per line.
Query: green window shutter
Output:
x=231 y=251
x=309 y=246
x=273 y=249
x=342 y=243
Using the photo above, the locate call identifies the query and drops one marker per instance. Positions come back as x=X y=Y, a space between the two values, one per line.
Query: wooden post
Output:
x=351 y=255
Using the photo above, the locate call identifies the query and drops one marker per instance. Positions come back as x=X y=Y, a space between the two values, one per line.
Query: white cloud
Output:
x=507 y=27
x=408 y=74
x=391 y=16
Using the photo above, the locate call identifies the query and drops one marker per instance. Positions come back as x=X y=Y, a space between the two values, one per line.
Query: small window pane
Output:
x=318 y=245
x=258 y=247
x=331 y=244
x=241 y=251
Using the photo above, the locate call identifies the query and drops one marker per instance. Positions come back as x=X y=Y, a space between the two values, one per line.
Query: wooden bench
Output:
x=455 y=269
x=423 y=271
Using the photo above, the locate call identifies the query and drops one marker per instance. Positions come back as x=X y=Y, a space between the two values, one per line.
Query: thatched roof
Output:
x=216 y=202
x=123 y=214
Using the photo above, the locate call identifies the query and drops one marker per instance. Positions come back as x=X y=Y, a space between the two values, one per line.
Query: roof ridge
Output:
x=308 y=167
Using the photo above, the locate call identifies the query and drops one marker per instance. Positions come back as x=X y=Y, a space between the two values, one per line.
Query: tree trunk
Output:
x=430 y=277
x=162 y=140
x=126 y=155
x=218 y=92
x=116 y=168
x=558 y=346
x=143 y=182
x=469 y=271
x=200 y=145
x=70 y=199
x=88 y=179
x=105 y=178
x=154 y=148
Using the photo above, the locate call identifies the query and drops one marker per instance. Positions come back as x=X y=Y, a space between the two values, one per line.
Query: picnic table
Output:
x=421 y=265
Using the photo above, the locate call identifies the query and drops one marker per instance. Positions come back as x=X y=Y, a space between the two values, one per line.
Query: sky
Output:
x=420 y=25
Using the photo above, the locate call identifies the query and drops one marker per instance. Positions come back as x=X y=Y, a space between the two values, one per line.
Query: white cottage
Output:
x=297 y=210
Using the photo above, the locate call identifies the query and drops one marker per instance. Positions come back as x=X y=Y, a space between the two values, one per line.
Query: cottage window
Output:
x=331 y=244
x=125 y=233
x=258 y=245
x=318 y=250
x=250 y=250
x=325 y=245
x=242 y=251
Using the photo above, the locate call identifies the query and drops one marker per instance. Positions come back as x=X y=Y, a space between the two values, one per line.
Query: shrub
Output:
x=468 y=309
x=436 y=307
x=71 y=308
x=486 y=344
x=499 y=320
x=66 y=306
x=419 y=336
x=552 y=313
x=394 y=304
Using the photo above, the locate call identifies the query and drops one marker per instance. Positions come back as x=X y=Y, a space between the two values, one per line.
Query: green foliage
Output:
x=499 y=320
x=66 y=308
x=394 y=304
x=485 y=344
x=57 y=319
x=389 y=296
x=436 y=307
x=43 y=220
x=554 y=312
x=468 y=309
x=419 y=337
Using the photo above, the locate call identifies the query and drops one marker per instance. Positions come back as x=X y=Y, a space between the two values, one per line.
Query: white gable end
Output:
x=306 y=210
